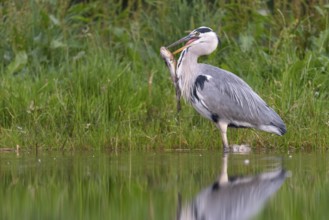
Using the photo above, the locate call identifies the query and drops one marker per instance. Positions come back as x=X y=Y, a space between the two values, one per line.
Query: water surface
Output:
x=147 y=185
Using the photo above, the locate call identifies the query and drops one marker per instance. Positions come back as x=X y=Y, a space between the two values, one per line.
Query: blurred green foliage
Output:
x=88 y=73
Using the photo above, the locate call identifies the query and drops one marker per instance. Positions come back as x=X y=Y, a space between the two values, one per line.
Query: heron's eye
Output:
x=197 y=33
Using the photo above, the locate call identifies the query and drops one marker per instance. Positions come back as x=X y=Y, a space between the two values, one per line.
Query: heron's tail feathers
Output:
x=281 y=128
x=274 y=125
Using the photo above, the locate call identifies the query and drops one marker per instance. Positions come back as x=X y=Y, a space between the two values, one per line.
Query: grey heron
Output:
x=217 y=94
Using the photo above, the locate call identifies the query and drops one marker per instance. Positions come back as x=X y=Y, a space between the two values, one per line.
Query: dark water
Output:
x=147 y=185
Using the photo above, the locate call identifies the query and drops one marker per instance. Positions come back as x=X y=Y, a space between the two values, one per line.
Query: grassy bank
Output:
x=89 y=75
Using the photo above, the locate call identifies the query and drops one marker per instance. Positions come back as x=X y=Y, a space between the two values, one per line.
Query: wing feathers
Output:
x=229 y=97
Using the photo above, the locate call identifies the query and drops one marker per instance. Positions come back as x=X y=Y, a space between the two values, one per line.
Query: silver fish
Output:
x=171 y=64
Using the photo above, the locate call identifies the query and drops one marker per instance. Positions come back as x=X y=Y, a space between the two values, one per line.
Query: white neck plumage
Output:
x=186 y=72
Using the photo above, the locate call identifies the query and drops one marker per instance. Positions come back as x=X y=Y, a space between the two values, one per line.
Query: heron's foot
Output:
x=236 y=148
x=226 y=149
x=243 y=148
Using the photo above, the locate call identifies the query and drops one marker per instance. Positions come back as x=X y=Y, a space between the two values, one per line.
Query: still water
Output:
x=164 y=185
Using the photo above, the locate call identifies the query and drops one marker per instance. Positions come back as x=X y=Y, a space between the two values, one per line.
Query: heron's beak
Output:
x=189 y=38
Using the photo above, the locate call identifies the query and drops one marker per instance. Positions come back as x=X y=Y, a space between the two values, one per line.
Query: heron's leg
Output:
x=223 y=128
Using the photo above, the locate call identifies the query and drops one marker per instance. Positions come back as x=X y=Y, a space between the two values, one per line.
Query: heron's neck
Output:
x=187 y=72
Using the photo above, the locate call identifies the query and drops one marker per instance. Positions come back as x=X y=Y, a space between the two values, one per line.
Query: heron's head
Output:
x=201 y=41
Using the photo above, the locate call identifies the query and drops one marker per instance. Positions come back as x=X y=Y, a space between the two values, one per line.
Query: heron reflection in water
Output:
x=233 y=199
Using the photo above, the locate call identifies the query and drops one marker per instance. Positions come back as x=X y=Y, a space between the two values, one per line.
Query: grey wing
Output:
x=229 y=98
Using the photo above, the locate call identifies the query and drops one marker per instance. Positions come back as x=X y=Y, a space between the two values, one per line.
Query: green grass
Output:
x=89 y=75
